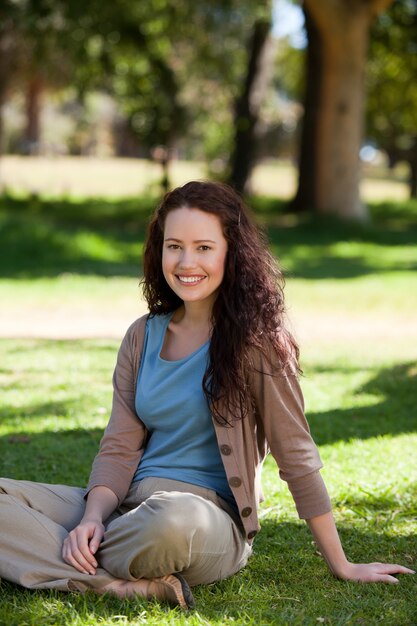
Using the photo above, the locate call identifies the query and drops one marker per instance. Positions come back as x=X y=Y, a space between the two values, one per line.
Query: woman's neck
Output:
x=193 y=315
x=188 y=329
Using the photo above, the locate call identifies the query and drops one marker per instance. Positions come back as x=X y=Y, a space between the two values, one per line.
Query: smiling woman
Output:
x=204 y=386
x=194 y=255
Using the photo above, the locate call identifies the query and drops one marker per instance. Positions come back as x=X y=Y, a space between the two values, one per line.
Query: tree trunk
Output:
x=6 y=71
x=5 y=75
x=33 y=108
x=247 y=106
x=412 y=161
x=1 y=128
x=305 y=198
x=343 y=33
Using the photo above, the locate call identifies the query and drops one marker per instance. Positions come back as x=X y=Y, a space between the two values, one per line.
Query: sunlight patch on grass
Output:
x=376 y=255
x=94 y=246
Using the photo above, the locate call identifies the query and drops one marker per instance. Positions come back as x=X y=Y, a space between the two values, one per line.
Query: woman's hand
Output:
x=81 y=545
x=374 y=572
x=328 y=542
x=83 y=541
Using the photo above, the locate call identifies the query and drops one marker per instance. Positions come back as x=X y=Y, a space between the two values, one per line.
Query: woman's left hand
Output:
x=328 y=541
x=374 y=572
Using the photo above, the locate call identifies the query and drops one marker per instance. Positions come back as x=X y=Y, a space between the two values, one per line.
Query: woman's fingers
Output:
x=385 y=578
x=81 y=551
x=385 y=569
x=69 y=558
x=377 y=572
x=77 y=549
x=96 y=539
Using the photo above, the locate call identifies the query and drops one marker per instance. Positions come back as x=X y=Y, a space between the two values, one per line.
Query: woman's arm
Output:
x=83 y=541
x=280 y=407
x=328 y=541
x=124 y=439
x=120 y=451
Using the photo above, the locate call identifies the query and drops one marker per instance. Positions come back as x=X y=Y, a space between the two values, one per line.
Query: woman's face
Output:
x=194 y=254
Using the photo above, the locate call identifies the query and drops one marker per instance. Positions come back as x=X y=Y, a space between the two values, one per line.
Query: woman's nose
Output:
x=187 y=259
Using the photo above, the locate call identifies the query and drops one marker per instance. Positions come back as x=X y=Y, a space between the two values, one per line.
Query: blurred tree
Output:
x=10 y=15
x=46 y=60
x=34 y=55
x=288 y=75
x=338 y=33
x=391 y=113
x=174 y=66
x=248 y=103
x=128 y=48
x=280 y=115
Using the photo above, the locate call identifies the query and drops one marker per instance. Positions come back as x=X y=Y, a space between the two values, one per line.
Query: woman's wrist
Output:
x=342 y=569
x=328 y=542
x=93 y=517
x=101 y=502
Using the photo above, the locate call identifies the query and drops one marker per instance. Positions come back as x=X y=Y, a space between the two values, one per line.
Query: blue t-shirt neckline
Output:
x=185 y=358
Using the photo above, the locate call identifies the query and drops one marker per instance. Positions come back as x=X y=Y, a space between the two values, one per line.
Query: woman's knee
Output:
x=175 y=514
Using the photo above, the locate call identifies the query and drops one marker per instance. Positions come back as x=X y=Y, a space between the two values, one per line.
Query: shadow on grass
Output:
x=309 y=249
x=280 y=540
x=34 y=248
x=9 y=413
x=41 y=237
x=62 y=456
x=395 y=414
x=94 y=212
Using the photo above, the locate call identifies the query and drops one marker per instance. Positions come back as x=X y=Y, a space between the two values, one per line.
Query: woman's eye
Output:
x=204 y=248
x=173 y=246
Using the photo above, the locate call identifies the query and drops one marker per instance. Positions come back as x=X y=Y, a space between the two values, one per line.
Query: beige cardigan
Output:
x=276 y=423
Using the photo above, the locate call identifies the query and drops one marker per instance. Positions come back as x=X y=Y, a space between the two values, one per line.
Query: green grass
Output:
x=355 y=286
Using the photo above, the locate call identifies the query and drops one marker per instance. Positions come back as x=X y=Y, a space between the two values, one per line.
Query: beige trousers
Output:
x=163 y=526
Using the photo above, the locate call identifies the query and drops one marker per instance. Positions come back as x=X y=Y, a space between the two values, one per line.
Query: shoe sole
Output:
x=186 y=592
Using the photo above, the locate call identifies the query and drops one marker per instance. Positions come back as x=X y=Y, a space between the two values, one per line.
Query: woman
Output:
x=203 y=387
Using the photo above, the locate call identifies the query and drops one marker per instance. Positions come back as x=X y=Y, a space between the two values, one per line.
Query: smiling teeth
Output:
x=190 y=279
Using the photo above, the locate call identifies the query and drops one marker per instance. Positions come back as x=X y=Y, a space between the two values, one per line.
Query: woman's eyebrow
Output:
x=195 y=241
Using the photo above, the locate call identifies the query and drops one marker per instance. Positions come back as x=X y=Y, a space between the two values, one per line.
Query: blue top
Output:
x=170 y=401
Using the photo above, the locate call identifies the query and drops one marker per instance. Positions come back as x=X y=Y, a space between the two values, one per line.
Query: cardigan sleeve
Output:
x=279 y=405
x=122 y=444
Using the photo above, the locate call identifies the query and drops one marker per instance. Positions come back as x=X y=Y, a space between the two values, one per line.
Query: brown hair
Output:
x=249 y=309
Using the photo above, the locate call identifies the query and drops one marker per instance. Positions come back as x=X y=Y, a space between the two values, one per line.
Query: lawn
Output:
x=352 y=295
x=118 y=177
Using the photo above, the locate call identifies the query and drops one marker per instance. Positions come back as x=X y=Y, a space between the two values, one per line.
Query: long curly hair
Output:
x=249 y=309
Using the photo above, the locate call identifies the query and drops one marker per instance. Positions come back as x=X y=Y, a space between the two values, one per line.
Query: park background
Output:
x=311 y=111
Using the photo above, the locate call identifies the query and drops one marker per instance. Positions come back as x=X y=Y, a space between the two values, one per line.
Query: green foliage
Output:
x=289 y=70
x=391 y=81
x=174 y=67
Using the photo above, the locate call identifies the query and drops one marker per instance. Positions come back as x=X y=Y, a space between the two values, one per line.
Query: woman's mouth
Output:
x=190 y=280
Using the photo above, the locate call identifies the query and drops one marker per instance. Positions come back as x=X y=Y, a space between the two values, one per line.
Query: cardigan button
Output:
x=252 y=534
x=246 y=511
x=225 y=449
x=235 y=481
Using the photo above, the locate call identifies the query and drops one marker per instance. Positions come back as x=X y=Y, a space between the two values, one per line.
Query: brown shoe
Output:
x=172 y=588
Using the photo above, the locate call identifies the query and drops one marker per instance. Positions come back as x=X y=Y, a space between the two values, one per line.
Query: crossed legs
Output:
x=156 y=533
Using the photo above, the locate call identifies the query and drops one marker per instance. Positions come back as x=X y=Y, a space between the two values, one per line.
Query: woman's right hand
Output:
x=81 y=545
